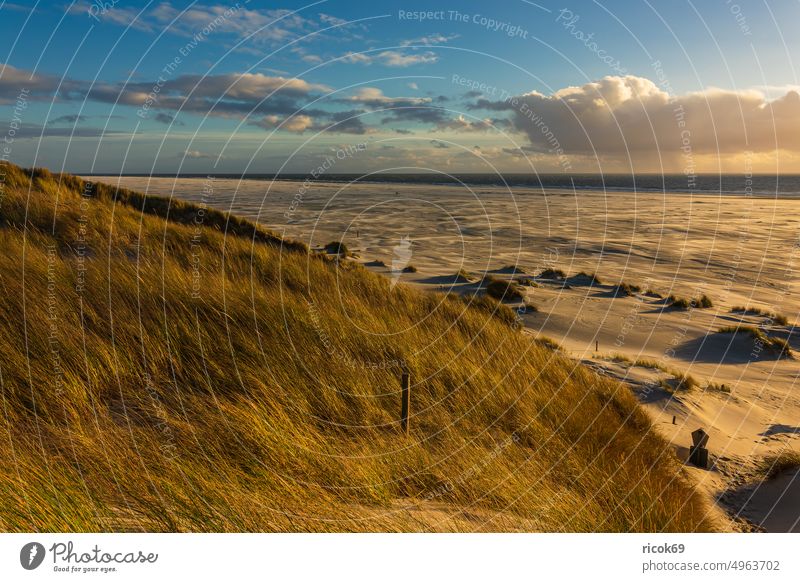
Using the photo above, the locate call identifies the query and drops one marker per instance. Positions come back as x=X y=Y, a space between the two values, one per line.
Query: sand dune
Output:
x=740 y=251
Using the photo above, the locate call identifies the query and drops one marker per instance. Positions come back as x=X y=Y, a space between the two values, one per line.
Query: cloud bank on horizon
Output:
x=243 y=87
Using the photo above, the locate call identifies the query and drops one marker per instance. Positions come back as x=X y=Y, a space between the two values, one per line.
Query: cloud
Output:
x=358 y=58
x=413 y=86
x=439 y=144
x=632 y=116
x=461 y=123
x=775 y=91
x=348 y=122
x=265 y=26
x=16 y=7
x=331 y=20
x=37 y=87
x=198 y=155
x=276 y=101
x=228 y=94
x=374 y=98
x=73 y=119
x=420 y=110
x=293 y=124
x=399 y=59
x=418 y=114
x=430 y=40
x=34 y=131
x=338 y=122
x=167 y=119
x=236 y=86
x=391 y=58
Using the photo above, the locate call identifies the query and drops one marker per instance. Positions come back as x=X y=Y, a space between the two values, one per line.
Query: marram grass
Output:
x=176 y=369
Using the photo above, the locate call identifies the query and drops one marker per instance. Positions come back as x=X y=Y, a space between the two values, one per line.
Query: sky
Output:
x=123 y=86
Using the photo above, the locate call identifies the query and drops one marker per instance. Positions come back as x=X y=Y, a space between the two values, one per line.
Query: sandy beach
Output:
x=739 y=251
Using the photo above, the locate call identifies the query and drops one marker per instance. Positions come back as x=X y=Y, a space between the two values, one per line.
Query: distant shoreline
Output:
x=522 y=182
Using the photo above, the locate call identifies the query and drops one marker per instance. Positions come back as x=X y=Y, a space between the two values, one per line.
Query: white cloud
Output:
x=775 y=91
x=398 y=59
x=461 y=123
x=374 y=97
x=430 y=40
x=391 y=58
x=633 y=116
x=274 y=26
x=293 y=124
x=358 y=58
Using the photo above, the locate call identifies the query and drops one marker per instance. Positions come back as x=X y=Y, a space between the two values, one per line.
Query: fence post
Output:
x=405 y=401
x=698 y=453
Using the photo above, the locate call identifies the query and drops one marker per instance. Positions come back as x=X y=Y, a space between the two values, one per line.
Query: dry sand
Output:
x=737 y=250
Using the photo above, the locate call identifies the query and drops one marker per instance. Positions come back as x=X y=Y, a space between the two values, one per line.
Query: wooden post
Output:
x=698 y=453
x=405 y=401
x=596 y=345
x=673 y=419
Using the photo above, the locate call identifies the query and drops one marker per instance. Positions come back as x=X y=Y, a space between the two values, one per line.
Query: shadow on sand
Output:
x=724 y=348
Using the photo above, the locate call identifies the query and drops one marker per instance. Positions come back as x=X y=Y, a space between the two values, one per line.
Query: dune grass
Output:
x=552 y=273
x=776 y=318
x=504 y=290
x=526 y=282
x=678 y=302
x=651 y=364
x=591 y=278
x=625 y=290
x=679 y=381
x=685 y=382
x=718 y=387
x=702 y=302
x=164 y=375
x=337 y=248
x=773 y=466
x=774 y=345
x=549 y=343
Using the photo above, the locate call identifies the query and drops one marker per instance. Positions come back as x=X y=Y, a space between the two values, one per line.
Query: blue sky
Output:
x=139 y=87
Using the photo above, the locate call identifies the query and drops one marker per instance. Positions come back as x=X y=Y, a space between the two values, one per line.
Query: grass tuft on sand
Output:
x=504 y=290
x=775 y=345
x=776 y=318
x=625 y=290
x=172 y=368
x=774 y=465
x=552 y=273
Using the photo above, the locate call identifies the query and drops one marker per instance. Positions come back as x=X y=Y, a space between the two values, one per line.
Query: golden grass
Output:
x=775 y=465
x=776 y=318
x=680 y=380
x=160 y=375
x=774 y=345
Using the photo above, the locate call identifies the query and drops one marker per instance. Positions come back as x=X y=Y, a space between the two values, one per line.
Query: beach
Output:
x=739 y=251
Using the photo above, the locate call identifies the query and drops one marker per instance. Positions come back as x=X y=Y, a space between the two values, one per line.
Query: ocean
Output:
x=787 y=185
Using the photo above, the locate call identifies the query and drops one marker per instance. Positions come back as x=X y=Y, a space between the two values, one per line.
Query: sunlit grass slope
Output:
x=166 y=368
